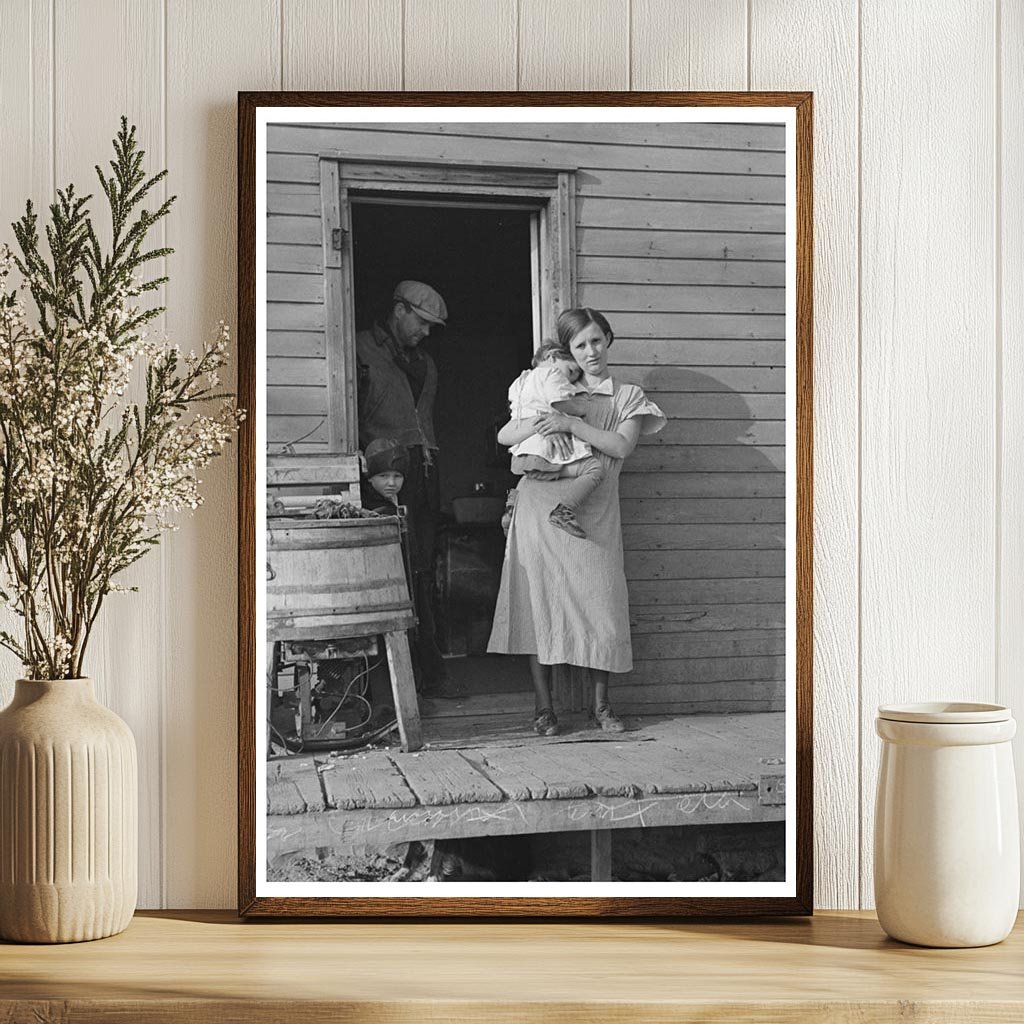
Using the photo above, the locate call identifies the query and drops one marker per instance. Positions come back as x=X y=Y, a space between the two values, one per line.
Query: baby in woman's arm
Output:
x=553 y=385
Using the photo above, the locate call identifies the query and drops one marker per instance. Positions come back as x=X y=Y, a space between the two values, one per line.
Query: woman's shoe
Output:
x=565 y=519
x=545 y=724
x=607 y=720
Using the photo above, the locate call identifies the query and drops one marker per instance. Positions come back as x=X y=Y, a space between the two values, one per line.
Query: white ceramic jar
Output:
x=947 y=847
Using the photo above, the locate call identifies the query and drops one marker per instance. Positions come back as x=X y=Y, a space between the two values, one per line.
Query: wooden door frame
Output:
x=551 y=190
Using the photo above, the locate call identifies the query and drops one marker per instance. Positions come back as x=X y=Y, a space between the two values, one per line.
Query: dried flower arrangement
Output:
x=89 y=477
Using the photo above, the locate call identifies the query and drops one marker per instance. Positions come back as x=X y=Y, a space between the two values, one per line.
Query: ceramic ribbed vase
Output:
x=68 y=815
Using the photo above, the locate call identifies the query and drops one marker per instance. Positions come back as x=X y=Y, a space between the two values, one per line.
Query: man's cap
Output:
x=423 y=299
x=385 y=455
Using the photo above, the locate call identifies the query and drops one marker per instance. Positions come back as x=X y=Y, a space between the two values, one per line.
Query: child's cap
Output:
x=385 y=455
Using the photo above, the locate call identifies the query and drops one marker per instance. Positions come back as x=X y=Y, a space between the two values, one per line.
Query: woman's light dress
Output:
x=562 y=598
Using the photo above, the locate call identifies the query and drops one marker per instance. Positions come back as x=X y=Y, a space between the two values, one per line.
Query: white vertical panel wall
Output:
x=1009 y=263
x=919 y=317
x=213 y=50
x=125 y=656
x=831 y=73
x=928 y=414
x=26 y=159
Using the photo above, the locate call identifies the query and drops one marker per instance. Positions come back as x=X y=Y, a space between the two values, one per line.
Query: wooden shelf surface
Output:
x=208 y=966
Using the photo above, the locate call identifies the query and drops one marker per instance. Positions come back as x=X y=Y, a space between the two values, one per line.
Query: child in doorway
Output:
x=553 y=384
x=386 y=465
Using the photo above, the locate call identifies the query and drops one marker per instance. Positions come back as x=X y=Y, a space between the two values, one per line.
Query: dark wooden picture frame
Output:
x=253 y=905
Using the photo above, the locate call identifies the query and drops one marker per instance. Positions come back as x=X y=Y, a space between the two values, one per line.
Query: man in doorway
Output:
x=397 y=385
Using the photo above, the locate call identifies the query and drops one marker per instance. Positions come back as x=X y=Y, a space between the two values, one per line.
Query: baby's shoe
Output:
x=565 y=519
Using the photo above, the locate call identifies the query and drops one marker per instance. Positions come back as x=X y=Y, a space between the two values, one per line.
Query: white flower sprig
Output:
x=89 y=478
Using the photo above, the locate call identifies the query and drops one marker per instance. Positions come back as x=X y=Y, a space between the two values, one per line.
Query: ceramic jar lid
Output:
x=945 y=713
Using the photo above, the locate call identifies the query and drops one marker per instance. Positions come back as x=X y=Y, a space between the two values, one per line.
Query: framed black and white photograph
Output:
x=525 y=504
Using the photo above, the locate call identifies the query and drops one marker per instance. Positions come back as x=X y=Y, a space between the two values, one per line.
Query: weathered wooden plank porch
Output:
x=693 y=770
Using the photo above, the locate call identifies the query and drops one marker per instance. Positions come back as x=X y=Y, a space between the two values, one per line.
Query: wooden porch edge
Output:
x=347 y=831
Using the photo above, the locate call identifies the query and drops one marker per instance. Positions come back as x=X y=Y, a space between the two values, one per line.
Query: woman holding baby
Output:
x=563 y=597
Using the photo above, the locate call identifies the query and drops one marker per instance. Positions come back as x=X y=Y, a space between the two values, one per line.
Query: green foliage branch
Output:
x=90 y=472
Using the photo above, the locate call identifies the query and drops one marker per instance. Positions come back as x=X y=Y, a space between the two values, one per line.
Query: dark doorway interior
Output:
x=480 y=261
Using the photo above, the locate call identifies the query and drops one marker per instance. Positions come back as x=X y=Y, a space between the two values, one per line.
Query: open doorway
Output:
x=481 y=258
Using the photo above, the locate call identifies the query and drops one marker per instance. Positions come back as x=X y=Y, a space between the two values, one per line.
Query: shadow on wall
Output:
x=742 y=432
x=704 y=534
x=201 y=560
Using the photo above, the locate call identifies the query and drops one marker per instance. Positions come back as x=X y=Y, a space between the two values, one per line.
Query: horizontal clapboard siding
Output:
x=743 y=137
x=297 y=399
x=706 y=324
x=701 y=188
x=732 y=643
x=725 y=697
x=680 y=241
x=712 y=591
x=310 y=431
x=295 y=316
x=296 y=344
x=678 y=215
x=719 y=458
x=703 y=485
x=307 y=259
x=458 y=143
x=683 y=380
x=293 y=229
x=636 y=270
x=668 y=672
x=701 y=245
x=706 y=536
x=283 y=400
x=743 y=563
x=701 y=622
x=682 y=298
x=681 y=511
x=691 y=353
